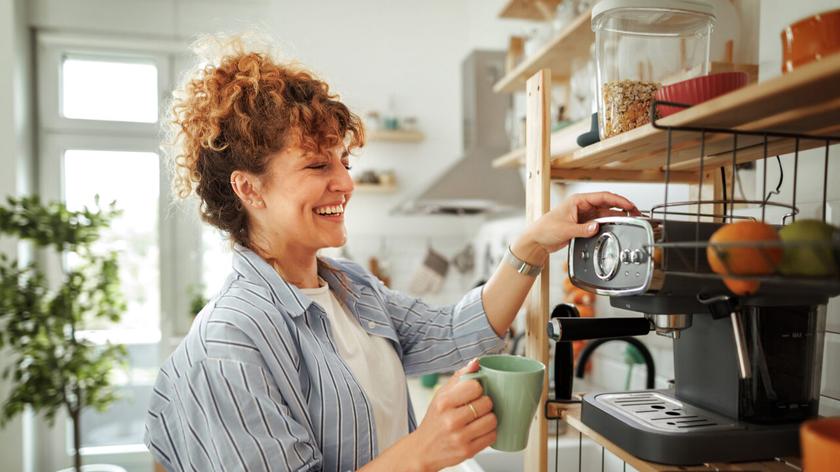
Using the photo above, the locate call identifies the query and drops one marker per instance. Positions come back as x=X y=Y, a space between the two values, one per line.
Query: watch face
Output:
x=606 y=254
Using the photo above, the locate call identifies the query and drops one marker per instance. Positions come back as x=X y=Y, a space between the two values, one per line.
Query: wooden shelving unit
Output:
x=557 y=55
x=400 y=136
x=529 y=9
x=805 y=101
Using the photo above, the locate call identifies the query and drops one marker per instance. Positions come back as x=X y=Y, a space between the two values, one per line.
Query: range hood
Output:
x=471 y=185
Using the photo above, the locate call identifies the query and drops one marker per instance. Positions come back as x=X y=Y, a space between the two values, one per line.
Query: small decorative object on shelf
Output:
x=376 y=181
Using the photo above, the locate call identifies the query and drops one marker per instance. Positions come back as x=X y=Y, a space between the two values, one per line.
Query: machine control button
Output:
x=637 y=256
x=584 y=255
x=626 y=256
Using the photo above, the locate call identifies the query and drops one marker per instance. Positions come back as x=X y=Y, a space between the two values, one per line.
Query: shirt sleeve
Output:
x=225 y=415
x=439 y=339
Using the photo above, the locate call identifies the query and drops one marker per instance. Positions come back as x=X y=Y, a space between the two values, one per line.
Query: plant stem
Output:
x=77 y=439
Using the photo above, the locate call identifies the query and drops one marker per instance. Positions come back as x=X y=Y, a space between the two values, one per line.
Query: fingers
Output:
x=604 y=200
x=582 y=231
x=480 y=443
x=483 y=406
x=481 y=426
x=602 y=212
x=461 y=393
x=471 y=366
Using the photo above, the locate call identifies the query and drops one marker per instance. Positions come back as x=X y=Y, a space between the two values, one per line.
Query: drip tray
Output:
x=655 y=426
x=664 y=413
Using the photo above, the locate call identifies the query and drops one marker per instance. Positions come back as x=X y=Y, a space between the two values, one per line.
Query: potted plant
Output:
x=54 y=367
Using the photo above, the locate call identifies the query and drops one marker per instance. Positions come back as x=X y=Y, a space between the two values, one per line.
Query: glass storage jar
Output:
x=641 y=45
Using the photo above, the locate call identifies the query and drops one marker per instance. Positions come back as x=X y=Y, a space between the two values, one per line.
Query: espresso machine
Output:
x=747 y=368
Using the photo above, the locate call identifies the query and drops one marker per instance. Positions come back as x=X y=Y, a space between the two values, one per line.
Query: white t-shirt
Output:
x=374 y=363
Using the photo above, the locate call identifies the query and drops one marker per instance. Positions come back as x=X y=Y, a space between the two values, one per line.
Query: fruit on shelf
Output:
x=808 y=249
x=733 y=250
x=742 y=287
x=744 y=248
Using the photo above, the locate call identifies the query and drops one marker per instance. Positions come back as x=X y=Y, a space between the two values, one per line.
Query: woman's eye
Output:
x=347 y=166
x=318 y=166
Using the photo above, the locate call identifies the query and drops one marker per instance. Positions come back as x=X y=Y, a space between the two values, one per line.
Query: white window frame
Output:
x=179 y=230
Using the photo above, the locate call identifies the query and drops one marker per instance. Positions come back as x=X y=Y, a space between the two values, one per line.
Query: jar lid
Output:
x=655 y=16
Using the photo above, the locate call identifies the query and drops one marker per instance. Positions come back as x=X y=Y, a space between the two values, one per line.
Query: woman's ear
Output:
x=247 y=187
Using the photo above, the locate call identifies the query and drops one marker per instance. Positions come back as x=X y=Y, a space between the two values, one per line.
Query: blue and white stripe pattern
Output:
x=257 y=384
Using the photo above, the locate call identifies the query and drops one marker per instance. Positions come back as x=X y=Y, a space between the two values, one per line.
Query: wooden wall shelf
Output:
x=563 y=142
x=396 y=136
x=572 y=416
x=529 y=9
x=557 y=55
x=375 y=188
x=806 y=100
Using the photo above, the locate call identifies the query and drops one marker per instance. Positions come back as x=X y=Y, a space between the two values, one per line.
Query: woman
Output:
x=300 y=362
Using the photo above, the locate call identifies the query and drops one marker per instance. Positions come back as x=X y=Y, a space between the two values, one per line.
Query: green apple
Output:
x=808 y=248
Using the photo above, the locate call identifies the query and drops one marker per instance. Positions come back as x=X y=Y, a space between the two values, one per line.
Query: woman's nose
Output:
x=342 y=181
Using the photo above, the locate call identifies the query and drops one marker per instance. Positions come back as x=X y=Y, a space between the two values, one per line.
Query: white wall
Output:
x=16 y=118
x=369 y=51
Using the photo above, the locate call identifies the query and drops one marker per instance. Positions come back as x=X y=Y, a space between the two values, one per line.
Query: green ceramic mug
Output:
x=514 y=383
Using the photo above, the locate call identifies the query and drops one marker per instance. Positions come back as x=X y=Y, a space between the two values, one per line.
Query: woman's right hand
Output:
x=451 y=432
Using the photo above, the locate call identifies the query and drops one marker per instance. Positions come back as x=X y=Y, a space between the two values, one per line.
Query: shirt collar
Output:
x=256 y=270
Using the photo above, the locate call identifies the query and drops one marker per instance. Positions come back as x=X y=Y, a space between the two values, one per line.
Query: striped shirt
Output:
x=258 y=384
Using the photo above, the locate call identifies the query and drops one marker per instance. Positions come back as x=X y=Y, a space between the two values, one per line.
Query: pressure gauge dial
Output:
x=605 y=255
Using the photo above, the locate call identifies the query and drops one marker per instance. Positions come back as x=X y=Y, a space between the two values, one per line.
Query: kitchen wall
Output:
x=16 y=134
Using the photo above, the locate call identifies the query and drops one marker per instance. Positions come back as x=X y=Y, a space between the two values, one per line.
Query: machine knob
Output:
x=637 y=256
x=626 y=257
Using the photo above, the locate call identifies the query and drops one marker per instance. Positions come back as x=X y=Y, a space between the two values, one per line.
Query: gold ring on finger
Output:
x=472 y=408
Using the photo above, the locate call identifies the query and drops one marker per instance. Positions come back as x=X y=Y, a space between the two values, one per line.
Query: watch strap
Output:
x=521 y=266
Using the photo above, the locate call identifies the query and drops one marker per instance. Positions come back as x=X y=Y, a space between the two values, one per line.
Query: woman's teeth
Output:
x=330 y=210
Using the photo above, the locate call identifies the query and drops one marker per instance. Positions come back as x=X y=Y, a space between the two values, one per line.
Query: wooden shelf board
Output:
x=557 y=55
x=515 y=158
x=571 y=414
x=396 y=136
x=540 y=10
x=806 y=100
x=563 y=141
x=375 y=188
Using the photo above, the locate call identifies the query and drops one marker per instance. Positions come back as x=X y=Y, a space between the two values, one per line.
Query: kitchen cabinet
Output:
x=805 y=101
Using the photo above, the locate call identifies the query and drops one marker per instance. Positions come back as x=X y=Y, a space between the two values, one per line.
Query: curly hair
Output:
x=235 y=114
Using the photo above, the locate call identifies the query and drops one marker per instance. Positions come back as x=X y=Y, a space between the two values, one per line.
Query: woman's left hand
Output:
x=571 y=219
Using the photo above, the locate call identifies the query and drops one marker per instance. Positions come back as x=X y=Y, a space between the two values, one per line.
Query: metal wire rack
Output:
x=725 y=208
x=692 y=253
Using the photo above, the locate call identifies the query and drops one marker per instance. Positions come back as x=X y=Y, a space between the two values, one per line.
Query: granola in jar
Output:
x=626 y=105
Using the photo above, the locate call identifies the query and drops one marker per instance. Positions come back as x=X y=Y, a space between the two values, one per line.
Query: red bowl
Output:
x=698 y=90
x=810 y=39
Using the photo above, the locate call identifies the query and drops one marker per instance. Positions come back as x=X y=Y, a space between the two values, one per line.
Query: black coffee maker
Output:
x=747 y=369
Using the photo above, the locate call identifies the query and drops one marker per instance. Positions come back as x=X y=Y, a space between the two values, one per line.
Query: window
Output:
x=99 y=135
x=216 y=259
x=132 y=180
x=96 y=89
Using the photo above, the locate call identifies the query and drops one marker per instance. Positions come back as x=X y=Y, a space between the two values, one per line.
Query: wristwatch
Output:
x=521 y=266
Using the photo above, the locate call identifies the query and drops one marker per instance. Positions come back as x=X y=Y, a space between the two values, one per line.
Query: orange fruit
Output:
x=742 y=287
x=743 y=258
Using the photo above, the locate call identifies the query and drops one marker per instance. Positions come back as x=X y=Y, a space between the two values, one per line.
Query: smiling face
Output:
x=302 y=200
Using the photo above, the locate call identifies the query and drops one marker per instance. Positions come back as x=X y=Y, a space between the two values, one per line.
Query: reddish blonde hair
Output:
x=235 y=114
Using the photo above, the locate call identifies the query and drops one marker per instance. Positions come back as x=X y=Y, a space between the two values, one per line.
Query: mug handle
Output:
x=473 y=375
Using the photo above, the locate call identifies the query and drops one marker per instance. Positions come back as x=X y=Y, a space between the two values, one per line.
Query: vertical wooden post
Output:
x=537 y=157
